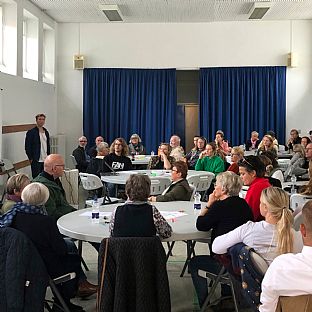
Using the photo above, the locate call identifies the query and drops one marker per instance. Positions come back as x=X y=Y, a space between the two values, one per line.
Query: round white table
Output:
x=122 y=176
x=81 y=227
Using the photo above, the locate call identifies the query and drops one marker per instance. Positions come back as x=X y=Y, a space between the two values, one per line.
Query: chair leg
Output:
x=58 y=296
x=212 y=290
x=80 y=254
x=233 y=294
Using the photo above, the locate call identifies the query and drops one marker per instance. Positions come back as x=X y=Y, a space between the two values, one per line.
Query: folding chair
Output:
x=159 y=184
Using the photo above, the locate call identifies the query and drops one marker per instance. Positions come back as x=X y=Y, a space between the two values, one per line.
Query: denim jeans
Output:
x=209 y=264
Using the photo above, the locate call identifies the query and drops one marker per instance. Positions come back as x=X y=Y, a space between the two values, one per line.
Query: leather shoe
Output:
x=86 y=289
x=72 y=307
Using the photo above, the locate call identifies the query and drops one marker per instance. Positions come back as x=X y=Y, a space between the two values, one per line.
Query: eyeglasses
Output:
x=59 y=166
x=118 y=144
x=175 y=170
x=83 y=141
x=234 y=154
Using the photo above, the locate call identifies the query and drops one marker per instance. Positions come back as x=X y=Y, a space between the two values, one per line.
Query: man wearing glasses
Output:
x=81 y=156
x=302 y=170
x=57 y=204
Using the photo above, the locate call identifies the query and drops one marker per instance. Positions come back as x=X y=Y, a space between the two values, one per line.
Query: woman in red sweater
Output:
x=252 y=171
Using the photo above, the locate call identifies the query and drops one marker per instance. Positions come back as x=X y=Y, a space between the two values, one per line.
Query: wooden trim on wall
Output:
x=17 y=128
x=19 y=165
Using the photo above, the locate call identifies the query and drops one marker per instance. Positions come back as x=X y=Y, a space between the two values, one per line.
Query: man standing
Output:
x=37 y=145
x=57 y=204
x=81 y=156
x=290 y=274
x=177 y=151
x=92 y=152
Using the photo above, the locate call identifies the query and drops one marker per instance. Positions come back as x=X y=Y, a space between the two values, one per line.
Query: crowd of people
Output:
x=262 y=220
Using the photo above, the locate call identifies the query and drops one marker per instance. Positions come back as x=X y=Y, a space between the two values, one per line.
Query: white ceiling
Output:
x=171 y=11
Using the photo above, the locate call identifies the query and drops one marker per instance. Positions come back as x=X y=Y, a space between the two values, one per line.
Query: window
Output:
x=48 y=58
x=30 y=45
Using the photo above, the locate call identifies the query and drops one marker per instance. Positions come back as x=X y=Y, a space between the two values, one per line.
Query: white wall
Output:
x=22 y=99
x=182 y=46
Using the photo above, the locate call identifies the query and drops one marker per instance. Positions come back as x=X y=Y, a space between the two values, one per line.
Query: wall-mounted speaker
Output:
x=78 y=62
x=292 y=60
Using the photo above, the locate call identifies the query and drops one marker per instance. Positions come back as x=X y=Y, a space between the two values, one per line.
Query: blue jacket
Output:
x=32 y=143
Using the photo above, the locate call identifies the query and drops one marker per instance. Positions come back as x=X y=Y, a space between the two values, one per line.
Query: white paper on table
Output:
x=102 y=214
x=168 y=215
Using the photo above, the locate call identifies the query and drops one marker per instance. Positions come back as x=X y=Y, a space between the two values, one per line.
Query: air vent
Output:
x=112 y=12
x=259 y=9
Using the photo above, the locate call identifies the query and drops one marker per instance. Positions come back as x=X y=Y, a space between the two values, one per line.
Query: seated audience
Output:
x=97 y=165
x=290 y=274
x=118 y=160
x=163 y=160
x=57 y=204
x=268 y=168
x=179 y=189
x=14 y=188
x=307 y=189
x=30 y=218
x=275 y=171
x=300 y=169
x=93 y=150
x=224 y=212
x=136 y=147
x=193 y=155
x=293 y=139
x=267 y=144
x=177 y=151
x=137 y=217
x=81 y=156
x=237 y=153
x=272 y=134
x=269 y=238
x=305 y=141
x=223 y=148
x=297 y=160
x=252 y=171
x=253 y=142
x=209 y=161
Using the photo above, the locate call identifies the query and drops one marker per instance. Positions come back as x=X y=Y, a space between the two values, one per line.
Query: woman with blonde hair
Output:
x=267 y=144
x=14 y=188
x=269 y=238
x=237 y=154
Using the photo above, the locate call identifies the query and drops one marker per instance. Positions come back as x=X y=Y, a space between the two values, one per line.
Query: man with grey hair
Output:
x=290 y=274
x=225 y=211
x=177 y=151
x=81 y=156
x=93 y=150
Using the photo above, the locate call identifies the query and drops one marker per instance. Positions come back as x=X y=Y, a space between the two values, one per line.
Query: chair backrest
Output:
x=193 y=191
x=201 y=181
x=8 y=167
x=90 y=181
x=297 y=201
x=259 y=263
x=132 y=272
x=301 y=303
x=23 y=276
x=73 y=159
x=159 y=184
x=297 y=221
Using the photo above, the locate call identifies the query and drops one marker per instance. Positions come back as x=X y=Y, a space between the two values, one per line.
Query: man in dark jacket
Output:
x=81 y=156
x=57 y=204
x=37 y=145
x=179 y=189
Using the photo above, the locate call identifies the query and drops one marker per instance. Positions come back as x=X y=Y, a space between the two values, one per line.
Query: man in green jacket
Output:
x=57 y=204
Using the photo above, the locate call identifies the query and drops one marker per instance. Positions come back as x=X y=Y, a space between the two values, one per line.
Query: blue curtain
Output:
x=119 y=102
x=239 y=100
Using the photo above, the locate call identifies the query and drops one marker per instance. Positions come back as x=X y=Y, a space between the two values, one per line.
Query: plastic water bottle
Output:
x=95 y=215
x=293 y=180
x=152 y=153
x=197 y=204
